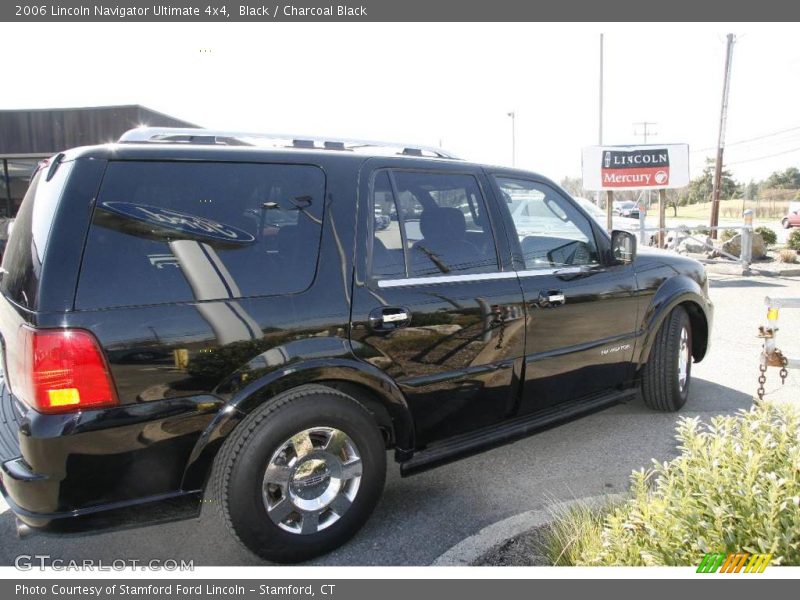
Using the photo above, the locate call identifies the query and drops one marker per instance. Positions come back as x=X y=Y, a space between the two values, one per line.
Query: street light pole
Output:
x=513 y=116
x=600 y=120
x=600 y=104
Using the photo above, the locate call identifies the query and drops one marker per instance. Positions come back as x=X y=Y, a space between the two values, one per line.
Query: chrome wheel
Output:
x=684 y=356
x=311 y=480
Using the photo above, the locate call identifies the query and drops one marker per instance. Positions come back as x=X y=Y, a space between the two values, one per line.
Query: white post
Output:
x=746 y=255
x=642 y=232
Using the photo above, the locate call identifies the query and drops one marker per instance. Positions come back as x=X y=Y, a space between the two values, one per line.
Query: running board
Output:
x=470 y=443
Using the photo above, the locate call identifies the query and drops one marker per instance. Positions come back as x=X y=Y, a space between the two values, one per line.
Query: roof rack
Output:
x=242 y=138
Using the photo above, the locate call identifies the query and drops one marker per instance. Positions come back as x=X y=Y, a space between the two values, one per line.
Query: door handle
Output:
x=551 y=298
x=389 y=318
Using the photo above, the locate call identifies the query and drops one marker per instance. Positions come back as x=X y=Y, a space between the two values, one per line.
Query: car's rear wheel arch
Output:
x=378 y=395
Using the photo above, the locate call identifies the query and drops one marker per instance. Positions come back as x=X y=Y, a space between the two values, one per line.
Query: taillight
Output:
x=61 y=370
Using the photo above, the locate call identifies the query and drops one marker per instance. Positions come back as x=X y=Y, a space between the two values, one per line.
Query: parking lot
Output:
x=421 y=517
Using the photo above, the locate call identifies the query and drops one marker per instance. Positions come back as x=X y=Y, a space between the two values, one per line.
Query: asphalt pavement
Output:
x=421 y=517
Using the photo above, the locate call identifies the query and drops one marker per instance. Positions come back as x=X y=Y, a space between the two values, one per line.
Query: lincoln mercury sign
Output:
x=652 y=167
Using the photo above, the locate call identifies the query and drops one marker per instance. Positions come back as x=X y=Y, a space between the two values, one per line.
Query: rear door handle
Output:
x=389 y=318
x=551 y=298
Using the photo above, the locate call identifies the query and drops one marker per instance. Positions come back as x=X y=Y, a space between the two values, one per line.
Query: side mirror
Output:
x=623 y=247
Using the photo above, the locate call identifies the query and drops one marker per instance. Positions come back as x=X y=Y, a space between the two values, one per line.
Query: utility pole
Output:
x=723 y=121
x=513 y=116
x=644 y=133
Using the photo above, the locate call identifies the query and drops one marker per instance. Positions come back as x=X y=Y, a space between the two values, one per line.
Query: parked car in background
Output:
x=792 y=218
x=381 y=221
x=599 y=215
x=627 y=209
x=6 y=225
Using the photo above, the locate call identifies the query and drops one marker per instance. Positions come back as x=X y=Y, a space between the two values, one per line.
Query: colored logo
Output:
x=641 y=168
x=739 y=562
x=168 y=222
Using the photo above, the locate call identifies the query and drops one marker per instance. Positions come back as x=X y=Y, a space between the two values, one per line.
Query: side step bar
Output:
x=470 y=443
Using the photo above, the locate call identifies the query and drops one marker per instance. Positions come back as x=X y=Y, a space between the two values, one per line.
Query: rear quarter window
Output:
x=28 y=242
x=166 y=232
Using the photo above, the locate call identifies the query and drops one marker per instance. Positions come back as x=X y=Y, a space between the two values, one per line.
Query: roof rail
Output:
x=243 y=138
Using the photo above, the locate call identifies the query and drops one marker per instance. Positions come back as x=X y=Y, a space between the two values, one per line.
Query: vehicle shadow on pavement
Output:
x=421 y=517
x=705 y=397
x=709 y=396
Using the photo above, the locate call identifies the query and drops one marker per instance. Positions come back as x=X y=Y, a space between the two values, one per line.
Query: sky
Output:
x=443 y=84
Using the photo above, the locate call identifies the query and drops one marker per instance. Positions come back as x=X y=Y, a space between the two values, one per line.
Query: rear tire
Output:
x=667 y=375
x=301 y=474
x=786 y=224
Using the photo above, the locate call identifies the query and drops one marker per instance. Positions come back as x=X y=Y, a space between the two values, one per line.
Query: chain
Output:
x=762 y=379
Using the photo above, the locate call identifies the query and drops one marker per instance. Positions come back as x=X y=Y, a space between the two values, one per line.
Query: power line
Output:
x=753 y=139
x=736 y=162
x=767 y=135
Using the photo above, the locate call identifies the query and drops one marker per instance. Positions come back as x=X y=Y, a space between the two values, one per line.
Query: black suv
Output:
x=188 y=308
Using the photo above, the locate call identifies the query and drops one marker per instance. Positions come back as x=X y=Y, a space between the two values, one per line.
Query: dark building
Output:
x=28 y=136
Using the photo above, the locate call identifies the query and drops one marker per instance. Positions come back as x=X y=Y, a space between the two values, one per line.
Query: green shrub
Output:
x=727 y=234
x=793 y=242
x=735 y=487
x=768 y=235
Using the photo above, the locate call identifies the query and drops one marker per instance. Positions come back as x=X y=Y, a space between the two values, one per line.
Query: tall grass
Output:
x=575 y=532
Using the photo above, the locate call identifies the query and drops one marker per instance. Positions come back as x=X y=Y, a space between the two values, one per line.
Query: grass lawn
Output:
x=728 y=209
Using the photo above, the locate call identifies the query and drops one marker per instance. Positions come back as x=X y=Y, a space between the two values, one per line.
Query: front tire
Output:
x=668 y=372
x=301 y=474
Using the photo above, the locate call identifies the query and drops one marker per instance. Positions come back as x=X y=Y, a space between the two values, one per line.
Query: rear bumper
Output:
x=60 y=467
x=132 y=513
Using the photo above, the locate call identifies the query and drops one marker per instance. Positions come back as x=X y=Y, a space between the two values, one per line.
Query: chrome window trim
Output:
x=438 y=279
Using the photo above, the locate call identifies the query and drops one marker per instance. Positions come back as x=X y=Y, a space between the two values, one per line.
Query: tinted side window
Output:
x=438 y=225
x=27 y=245
x=388 y=258
x=551 y=232
x=184 y=231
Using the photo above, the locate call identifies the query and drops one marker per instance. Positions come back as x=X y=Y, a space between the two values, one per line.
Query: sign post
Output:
x=648 y=167
x=642 y=223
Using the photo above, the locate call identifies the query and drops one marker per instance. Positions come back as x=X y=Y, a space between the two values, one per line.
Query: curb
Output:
x=755 y=269
x=473 y=547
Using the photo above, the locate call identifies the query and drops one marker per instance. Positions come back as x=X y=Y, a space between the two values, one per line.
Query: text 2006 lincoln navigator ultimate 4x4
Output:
x=188 y=308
